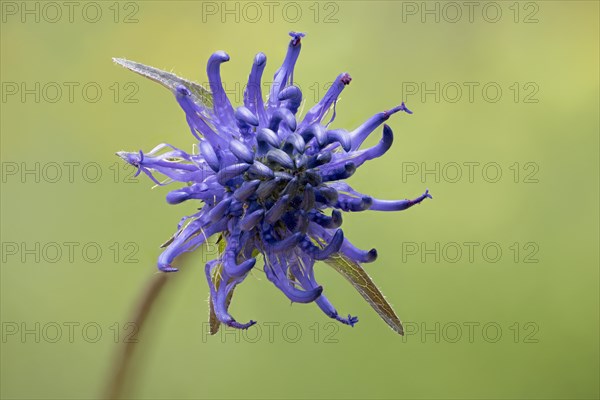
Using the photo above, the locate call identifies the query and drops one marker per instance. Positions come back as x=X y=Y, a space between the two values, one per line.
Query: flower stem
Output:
x=125 y=350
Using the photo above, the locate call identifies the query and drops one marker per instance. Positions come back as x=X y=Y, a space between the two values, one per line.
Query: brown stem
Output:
x=125 y=350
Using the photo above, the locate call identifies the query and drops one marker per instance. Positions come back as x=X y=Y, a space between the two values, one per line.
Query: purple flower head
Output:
x=266 y=177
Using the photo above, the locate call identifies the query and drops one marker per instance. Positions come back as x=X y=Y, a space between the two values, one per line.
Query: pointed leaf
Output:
x=213 y=321
x=361 y=281
x=216 y=278
x=200 y=95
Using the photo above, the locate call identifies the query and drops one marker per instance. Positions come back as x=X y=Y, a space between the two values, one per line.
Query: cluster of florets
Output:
x=266 y=180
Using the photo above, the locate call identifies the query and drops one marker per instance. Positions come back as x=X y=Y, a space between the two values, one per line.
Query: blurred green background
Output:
x=520 y=324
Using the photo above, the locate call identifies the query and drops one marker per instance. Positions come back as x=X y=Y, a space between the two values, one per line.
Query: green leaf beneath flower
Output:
x=361 y=281
x=216 y=278
x=200 y=95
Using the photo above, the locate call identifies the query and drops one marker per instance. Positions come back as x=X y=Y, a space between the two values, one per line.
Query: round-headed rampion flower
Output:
x=266 y=179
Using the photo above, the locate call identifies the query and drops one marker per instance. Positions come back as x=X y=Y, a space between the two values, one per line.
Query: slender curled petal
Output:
x=177 y=196
x=246 y=115
x=302 y=269
x=253 y=92
x=266 y=139
x=251 y=220
x=284 y=176
x=266 y=188
x=277 y=210
x=219 y=296
x=326 y=195
x=354 y=204
x=193 y=235
x=328 y=309
x=350 y=200
x=276 y=270
x=339 y=172
x=319 y=159
x=358 y=136
x=281 y=158
x=194 y=116
x=260 y=170
x=286 y=71
x=282 y=116
x=349 y=194
x=292 y=188
x=210 y=156
x=398 y=205
x=241 y=151
x=316 y=114
x=265 y=182
x=245 y=121
x=360 y=157
x=272 y=244
x=291 y=97
x=246 y=189
x=340 y=136
x=219 y=210
x=232 y=250
x=230 y=172
x=196 y=191
x=308 y=199
x=294 y=142
x=313 y=177
x=288 y=288
x=302 y=223
x=364 y=256
x=322 y=253
x=234 y=269
x=176 y=165
x=316 y=131
x=347 y=248
x=222 y=107
x=335 y=221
